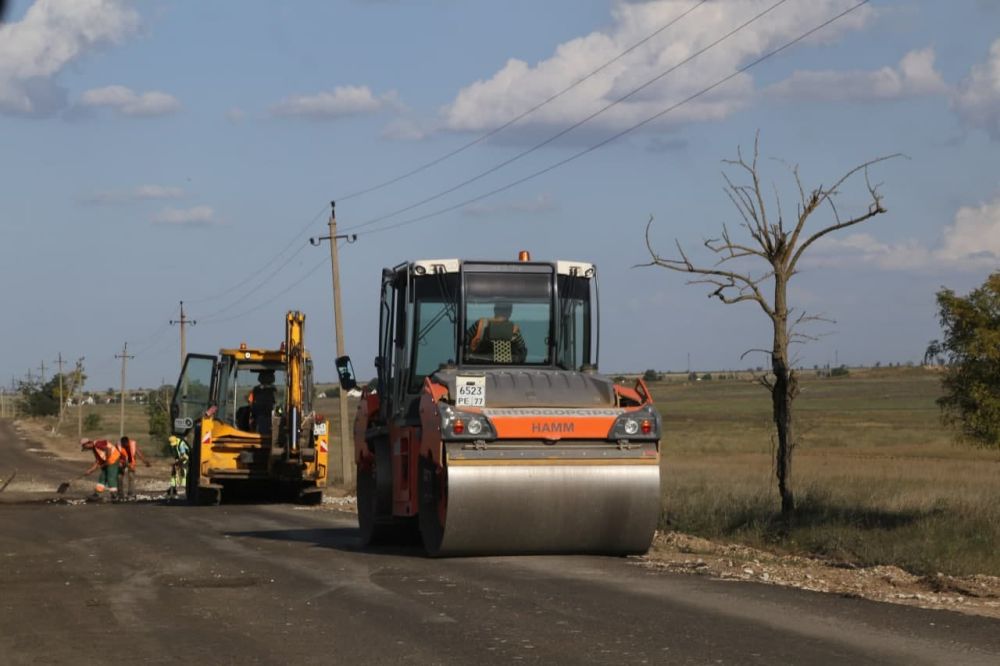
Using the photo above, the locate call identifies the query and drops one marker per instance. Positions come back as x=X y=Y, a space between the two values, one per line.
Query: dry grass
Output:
x=877 y=478
x=136 y=422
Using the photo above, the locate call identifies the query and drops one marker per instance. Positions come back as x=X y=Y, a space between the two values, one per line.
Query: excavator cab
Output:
x=487 y=388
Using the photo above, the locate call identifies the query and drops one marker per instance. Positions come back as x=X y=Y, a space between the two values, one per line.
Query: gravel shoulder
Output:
x=683 y=553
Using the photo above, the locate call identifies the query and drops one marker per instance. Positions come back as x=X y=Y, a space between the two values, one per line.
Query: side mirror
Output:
x=345 y=371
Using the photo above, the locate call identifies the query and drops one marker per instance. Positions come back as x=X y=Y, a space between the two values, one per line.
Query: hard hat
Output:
x=173 y=440
x=84 y=440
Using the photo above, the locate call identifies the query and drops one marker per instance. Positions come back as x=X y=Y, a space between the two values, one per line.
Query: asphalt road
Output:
x=153 y=582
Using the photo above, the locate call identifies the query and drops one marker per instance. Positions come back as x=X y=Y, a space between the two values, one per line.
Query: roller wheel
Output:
x=433 y=506
x=375 y=497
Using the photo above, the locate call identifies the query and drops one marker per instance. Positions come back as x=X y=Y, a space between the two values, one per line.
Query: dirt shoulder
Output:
x=53 y=449
x=676 y=552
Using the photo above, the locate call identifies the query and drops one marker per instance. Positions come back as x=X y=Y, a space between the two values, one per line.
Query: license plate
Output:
x=471 y=392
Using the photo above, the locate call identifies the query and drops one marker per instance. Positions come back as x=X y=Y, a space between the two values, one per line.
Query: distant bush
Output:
x=651 y=376
x=619 y=379
x=841 y=371
x=92 y=422
x=706 y=377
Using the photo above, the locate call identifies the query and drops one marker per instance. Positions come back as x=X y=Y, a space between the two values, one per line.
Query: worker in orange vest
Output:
x=106 y=458
x=130 y=452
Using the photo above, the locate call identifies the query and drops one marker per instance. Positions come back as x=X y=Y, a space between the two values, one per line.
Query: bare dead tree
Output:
x=777 y=247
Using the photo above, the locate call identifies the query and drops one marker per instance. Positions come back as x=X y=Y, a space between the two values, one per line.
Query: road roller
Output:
x=488 y=429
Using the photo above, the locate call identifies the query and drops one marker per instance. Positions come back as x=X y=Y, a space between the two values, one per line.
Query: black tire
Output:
x=430 y=490
x=191 y=490
x=310 y=496
x=375 y=498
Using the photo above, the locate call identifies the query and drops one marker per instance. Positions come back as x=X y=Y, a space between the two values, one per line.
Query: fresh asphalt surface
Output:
x=153 y=582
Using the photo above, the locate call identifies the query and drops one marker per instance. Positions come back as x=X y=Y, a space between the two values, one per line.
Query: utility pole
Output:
x=346 y=445
x=124 y=356
x=182 y=322
x=78 y=389
x=62 y=398
x=42 y=368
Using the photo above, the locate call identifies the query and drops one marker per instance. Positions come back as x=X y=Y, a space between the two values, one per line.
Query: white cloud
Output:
x=130 y=103
x=519 y=86
x=978 y=97
x=158 y=192
x=971 y=242
x=974 y=238
x=142 y=192
x=541 y=204
x=405 y=129
x=914 y=76
x=198 y=216
x=342 y=101
x=235 y=115
x=53 y=34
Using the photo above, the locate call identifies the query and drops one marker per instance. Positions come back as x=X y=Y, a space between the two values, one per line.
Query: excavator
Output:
x=488 y=429
x=247 y=416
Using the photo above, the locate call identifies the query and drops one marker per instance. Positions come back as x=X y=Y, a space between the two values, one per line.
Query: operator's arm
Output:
x=93 y=467
x=518 y=348
x=474 y=336
x=140 y=456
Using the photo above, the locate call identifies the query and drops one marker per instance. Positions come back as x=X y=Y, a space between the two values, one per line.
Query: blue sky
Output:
x=159 y=151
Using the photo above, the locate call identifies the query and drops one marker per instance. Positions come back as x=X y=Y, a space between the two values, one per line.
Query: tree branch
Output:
x=747 y=286
x=820 y=195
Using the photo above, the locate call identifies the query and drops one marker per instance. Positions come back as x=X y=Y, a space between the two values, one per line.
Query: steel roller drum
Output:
x=609 y=507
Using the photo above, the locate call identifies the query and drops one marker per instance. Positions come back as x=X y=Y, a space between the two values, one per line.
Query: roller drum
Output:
x=504 y=508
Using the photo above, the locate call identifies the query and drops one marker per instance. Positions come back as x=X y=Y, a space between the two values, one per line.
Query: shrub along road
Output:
x=280 y=584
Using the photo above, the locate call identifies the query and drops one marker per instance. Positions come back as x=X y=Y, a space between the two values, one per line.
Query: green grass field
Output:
x=877 y=477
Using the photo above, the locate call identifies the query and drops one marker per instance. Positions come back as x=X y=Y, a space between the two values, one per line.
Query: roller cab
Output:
x=489 y=429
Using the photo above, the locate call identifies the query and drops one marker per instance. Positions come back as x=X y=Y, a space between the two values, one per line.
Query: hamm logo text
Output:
x=552 y=427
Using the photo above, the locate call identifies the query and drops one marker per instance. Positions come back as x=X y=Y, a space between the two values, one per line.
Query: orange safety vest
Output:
x=106 y=453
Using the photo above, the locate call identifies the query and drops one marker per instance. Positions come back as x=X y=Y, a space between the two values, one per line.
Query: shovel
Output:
x=64 y=486
x=7 y=483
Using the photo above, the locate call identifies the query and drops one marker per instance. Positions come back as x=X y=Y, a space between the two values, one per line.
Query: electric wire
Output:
x=479 y=139
x=621 y=133
x=496 y=130
x=274 y=258
x=539 y=172
x=496 y=167
x=251 y=290
x=270 y=300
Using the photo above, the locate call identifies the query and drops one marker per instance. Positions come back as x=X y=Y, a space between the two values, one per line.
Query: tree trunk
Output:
x=782 y=393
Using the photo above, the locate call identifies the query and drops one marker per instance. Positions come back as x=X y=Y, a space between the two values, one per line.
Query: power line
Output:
x=242 y=283
x=249 y=291
x=567 y=130
x=523 y=114
x=273 y=298
x=479 y=139
x=621 y=133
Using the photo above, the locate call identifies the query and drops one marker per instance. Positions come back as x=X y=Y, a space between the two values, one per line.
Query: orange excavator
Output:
x=489 y=429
